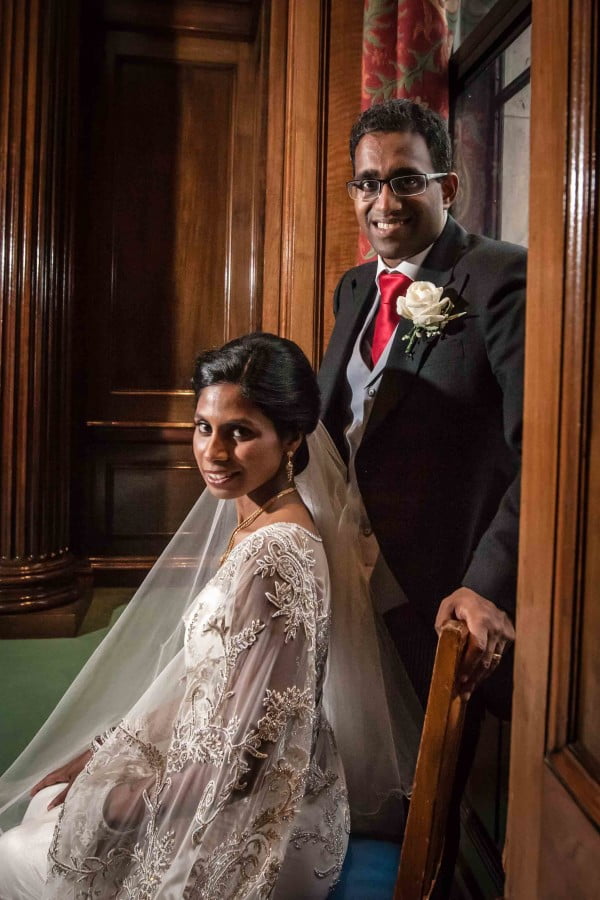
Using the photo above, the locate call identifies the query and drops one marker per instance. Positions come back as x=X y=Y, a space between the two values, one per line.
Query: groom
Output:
x=432 y=436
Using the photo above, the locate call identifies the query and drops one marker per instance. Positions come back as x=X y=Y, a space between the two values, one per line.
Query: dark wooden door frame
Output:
x=549 y=784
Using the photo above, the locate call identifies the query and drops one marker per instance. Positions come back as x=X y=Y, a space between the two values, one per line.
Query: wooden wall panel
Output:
x=310 y=230
x=236 y=19
x=569 y=847
x=343 y=106
x=143 y=484
x=169 y=489
x=170 y=271
x=293 y=262
x=174 y=234
x=171 y=218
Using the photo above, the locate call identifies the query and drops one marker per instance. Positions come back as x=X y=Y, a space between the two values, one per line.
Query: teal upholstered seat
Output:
x=369 y=871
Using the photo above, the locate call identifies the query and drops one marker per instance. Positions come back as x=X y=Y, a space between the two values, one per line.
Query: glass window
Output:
x=469 y=14
x=491 y=144
x=514 y=193
x=517 y=57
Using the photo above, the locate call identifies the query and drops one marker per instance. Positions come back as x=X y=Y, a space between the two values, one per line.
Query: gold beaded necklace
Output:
x=251 y=518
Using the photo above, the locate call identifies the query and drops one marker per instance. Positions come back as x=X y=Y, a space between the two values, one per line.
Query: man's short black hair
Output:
x=406 y=115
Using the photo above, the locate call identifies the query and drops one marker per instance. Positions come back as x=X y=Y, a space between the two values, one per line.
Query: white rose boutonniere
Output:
x=429 y=312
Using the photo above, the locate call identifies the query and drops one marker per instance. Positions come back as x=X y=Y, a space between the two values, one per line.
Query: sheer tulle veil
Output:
x=367 y=696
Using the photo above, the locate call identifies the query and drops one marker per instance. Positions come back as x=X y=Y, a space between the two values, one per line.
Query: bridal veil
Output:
x=367 y=696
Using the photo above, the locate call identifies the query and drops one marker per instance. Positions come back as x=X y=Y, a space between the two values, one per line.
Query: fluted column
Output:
x=40 y=588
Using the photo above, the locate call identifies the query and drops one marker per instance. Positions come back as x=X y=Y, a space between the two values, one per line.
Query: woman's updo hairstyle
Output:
x=273 y=374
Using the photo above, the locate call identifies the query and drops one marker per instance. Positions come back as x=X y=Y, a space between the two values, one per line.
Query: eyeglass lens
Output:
x=402 y=186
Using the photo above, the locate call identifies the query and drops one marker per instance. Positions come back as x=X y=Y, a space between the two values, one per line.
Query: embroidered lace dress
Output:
x=243 y=789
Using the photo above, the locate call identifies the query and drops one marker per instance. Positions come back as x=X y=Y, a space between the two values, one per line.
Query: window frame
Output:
x=484 y=46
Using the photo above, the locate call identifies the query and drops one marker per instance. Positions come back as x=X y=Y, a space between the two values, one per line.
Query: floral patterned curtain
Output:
x=406 y=46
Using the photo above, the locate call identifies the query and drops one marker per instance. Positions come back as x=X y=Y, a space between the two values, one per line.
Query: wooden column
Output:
x=40 y=585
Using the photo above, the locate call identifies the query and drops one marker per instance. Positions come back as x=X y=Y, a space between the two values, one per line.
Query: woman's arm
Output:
x=66 y=773
x=219 y=750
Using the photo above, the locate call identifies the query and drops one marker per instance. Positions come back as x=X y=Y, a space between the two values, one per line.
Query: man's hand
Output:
x=67 y=773
x=490 y=632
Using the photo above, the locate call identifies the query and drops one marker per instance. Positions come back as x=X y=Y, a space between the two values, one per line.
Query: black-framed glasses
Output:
x=401 y=185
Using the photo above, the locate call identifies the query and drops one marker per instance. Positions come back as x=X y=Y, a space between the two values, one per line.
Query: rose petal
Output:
x=423 y=290
x=422 y=305
x=402 y=309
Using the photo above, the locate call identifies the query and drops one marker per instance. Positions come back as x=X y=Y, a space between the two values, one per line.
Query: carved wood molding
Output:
x=577 y=378
x=233 y=19
x=575 y=776
x=37 y=83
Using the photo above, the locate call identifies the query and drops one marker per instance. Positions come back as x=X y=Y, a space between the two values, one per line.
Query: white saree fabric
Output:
x=229 y=745
x=220 y=694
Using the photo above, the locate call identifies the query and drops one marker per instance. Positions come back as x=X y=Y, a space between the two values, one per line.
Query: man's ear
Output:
x=449 y=189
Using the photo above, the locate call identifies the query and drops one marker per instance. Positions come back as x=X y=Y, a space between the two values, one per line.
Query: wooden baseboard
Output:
x=120 y=571
x=62 y=620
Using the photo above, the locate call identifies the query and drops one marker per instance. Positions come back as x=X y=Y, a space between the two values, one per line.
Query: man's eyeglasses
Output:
x=401 y=185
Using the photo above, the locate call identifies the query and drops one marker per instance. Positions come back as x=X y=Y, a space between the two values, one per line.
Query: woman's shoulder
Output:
x=277 y=550
x=291 y=536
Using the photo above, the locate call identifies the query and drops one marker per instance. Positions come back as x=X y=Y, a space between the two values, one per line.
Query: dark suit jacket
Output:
x=438 y=466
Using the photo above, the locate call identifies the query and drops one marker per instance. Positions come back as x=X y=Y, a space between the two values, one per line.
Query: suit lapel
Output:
x=401 y=369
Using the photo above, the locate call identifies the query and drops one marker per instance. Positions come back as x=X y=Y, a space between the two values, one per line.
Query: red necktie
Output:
x=391 y=286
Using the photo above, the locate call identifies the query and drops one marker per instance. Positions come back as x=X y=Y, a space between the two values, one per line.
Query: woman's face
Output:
x=236 y=447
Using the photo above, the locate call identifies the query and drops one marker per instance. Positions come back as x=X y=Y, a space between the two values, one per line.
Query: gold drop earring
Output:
x=289 y=466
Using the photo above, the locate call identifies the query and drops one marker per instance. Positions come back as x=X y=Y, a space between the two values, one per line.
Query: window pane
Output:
x=517 y=57
x=514 y=197
x=491 y=146
x=474 y=154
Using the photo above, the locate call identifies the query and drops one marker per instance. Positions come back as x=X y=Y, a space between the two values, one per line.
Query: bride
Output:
x=212 y=705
